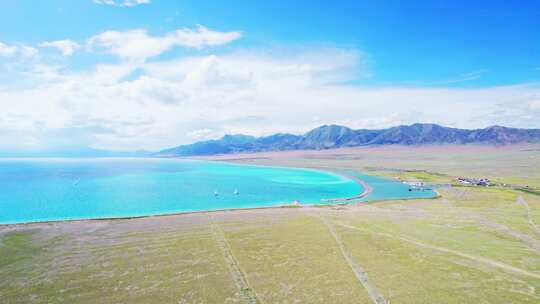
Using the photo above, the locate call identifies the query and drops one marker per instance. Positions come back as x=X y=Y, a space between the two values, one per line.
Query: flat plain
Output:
x=470 y=245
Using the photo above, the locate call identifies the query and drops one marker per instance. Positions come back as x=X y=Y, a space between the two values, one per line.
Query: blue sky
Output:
x=438 y=41
x=133 y=74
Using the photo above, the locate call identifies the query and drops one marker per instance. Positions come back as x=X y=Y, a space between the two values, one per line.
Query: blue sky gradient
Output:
x=410 y=43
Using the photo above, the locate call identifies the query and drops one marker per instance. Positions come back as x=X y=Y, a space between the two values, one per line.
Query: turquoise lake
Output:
x=34 y=190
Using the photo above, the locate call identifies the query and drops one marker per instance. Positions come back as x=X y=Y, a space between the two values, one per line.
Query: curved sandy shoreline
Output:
x=367 y=188
x=332 y=201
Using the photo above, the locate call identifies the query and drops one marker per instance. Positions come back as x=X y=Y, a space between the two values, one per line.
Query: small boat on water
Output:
x=236 y=192
x=216 y=194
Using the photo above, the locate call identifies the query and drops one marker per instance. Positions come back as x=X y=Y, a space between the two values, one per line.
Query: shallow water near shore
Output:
x=389 y=189
x=34 y=190
x=63 y=189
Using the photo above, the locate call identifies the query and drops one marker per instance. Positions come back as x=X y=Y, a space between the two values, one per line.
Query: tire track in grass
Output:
x=358 y=271
x=484 y=221
x=489 y=262
x=521 y=201
x=237 y=274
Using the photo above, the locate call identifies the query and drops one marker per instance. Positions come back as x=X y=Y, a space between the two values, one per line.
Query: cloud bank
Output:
x=66 y=46
x=12 y=50
x=139 y=45
x=141 y=104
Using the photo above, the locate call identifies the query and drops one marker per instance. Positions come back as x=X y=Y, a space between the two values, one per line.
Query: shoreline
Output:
x=116 y=218
x=290 y=206
x=328 y=202
x=187 y=213
x=367 y=188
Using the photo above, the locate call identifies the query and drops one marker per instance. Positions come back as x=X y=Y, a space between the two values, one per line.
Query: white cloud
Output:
x=202 y=36
x=17 y=50
x=7 y=50
x=200 y=134
x=139 y=45
x=534 y=104
x=120 y=3
x=130 y=106
x=66 y=46
x=28 y=51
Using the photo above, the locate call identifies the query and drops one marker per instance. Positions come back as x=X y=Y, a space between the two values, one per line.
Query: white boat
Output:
x=216 y=193
x=236 y=192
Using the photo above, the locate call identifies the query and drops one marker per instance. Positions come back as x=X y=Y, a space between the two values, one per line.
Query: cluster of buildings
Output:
x=474 y=181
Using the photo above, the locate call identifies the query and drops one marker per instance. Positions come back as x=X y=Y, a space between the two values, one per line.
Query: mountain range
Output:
x=335 y=136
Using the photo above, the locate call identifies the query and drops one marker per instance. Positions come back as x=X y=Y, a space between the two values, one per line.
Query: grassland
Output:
x=471 y=245
x=519 y=165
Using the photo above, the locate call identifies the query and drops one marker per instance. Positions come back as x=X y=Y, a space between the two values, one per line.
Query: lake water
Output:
x=389 y=189
x=60 y=189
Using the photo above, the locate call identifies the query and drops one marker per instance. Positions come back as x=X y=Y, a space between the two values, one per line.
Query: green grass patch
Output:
x=16 y=248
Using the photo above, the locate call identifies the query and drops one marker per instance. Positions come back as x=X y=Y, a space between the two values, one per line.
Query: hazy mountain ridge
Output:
x=335 y=136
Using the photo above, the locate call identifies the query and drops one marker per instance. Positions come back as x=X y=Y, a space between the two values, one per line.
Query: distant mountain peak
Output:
x=328 y=128
x=496 y=127
x=336 y=136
